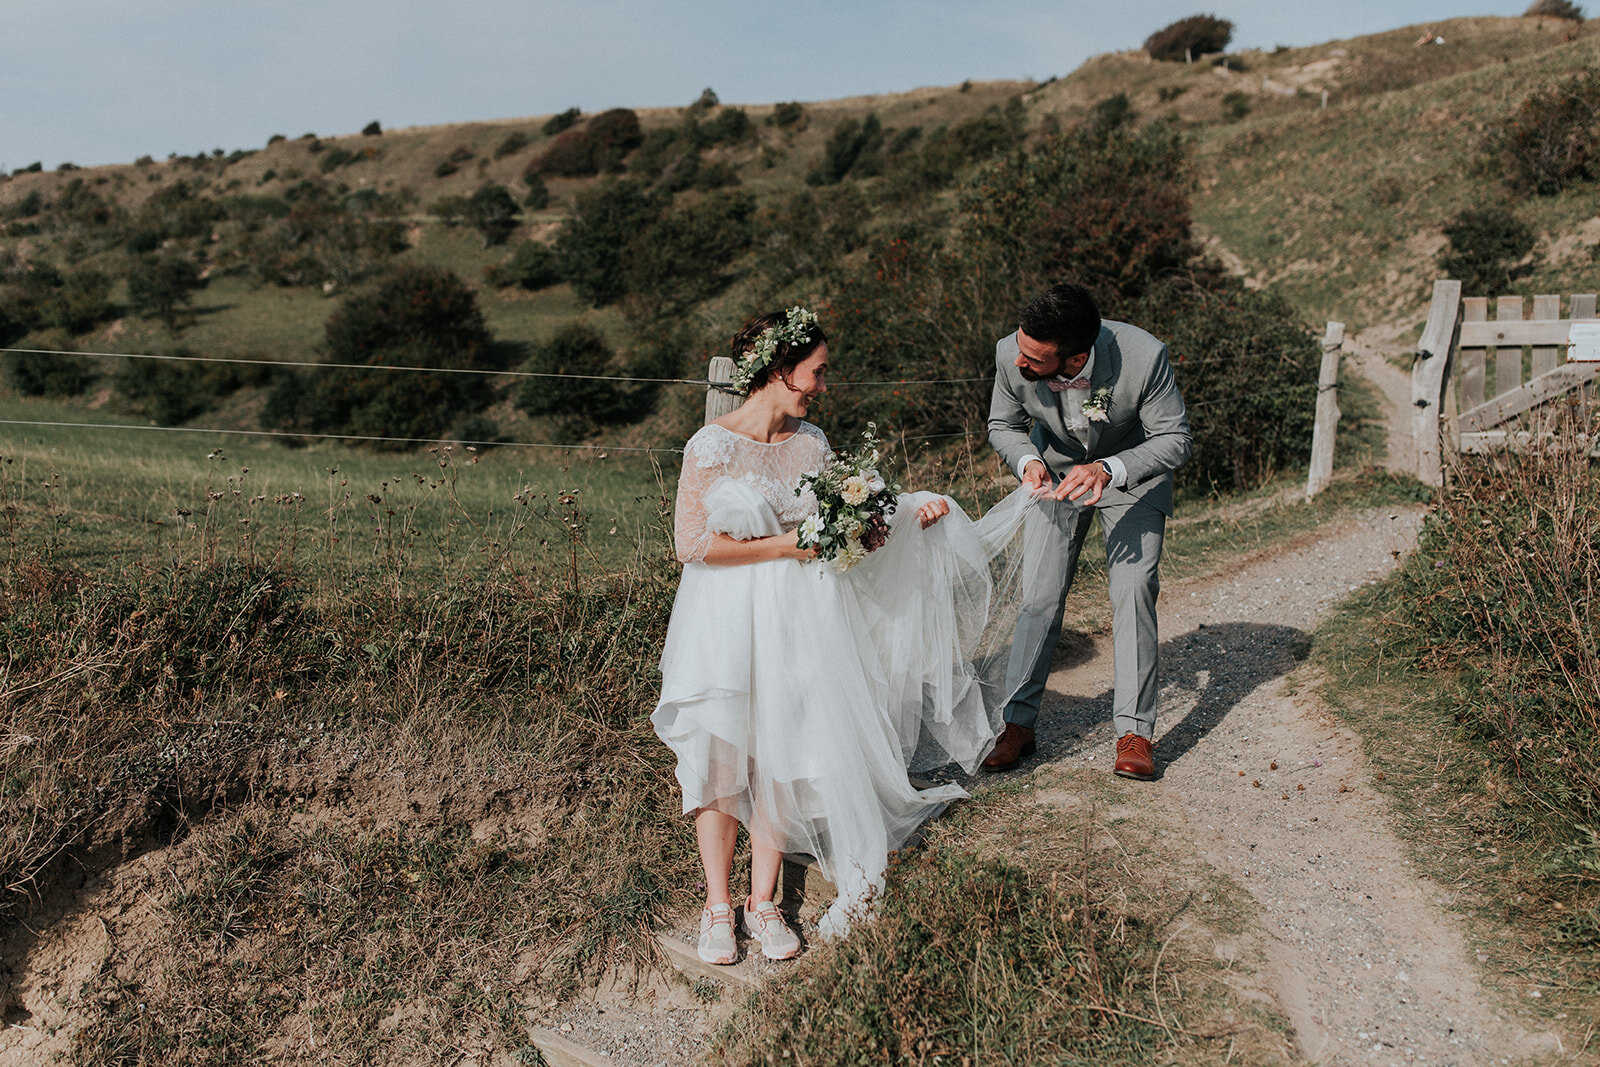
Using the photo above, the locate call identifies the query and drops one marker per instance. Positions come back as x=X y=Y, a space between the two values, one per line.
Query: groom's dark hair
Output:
x=1063 y=315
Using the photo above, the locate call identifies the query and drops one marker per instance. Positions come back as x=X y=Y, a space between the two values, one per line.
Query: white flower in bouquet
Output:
x=851 y=554
x=875 y=481
x=855 y=490
x=810 y=529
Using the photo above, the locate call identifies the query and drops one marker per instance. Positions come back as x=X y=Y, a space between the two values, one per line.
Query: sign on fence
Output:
x=1584 y=341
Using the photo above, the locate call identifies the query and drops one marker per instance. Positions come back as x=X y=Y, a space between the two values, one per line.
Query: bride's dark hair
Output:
x=789 y=355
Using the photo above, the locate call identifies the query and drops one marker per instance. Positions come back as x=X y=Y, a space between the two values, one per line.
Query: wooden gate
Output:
x=1458 y=404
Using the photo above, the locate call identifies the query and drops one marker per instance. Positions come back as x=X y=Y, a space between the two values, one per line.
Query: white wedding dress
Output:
x=797 y=698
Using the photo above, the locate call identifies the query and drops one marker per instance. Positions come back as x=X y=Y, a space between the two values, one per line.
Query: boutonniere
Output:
x=1097 y=407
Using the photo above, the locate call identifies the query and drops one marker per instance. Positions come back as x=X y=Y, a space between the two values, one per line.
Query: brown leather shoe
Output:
x=1014 y=743
x=1135 y=758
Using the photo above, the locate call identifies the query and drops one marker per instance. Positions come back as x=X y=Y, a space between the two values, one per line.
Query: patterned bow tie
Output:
x=1058 y=385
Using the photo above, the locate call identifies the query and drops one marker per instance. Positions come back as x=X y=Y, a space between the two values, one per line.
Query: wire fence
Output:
x=702 y=383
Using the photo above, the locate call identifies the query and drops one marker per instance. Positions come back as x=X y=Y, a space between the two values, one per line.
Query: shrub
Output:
x=1558 y=9
x=171 y=392
x=1553 y=139
x=593 y=244
x=493 y=213
x=1486 y=244
x=564 y=121
x=162 y=286
x=612 y=135
x=570 y=155
x=1189 y=38
x=1113 y=112
x=371 y=129
x=581 y=403
x=786 y=115
x=418 y=316
x=538 y=197
x=337 y=157
x=730 y=126
x=683 y=258
x=46 y=373
x=532 y=266
x=852 y=147
x=1235 y=105
x=1109 y=208
x=514 y=142
x=1247 y=368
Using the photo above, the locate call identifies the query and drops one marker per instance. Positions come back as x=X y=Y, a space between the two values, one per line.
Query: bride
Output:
x=796 y=698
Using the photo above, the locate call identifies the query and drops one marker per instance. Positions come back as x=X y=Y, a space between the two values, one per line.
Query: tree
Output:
x=682 y=259
x=593 y=244
x=853 y=146
x=582 y=403
x=1189 y=38
x=1558 y=9
x=493 y=213
x=160 y=286
x=532 y=266
x=1552 y=141
x=564 y=121
x=371 y=129
x=1109 y=208
x=418 y=316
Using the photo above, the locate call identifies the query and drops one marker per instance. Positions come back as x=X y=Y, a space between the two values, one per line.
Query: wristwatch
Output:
x=1107 y=468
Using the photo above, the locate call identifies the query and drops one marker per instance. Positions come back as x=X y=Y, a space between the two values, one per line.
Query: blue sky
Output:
x=105 y=81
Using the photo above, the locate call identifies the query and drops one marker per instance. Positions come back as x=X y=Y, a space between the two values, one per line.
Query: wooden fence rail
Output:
x=1458 y=407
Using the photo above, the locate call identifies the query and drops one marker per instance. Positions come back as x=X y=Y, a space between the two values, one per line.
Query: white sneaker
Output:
x=765 y=923
x=716 y=935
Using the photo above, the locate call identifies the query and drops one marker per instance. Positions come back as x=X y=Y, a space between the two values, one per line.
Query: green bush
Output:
x=321 y=240
x=46 y=373
x=371 y=129
x=570 y=155
x=564 y=121
x=40 y=297
x=1559 y=9
x=173 y=392
x=1189 y=38
x=417 y=316
x=163 y=287
x=1552 y=141
x=1486 y=245
x=613 y=134
x=594 y=242
x=1108 y=208
x=533 y=265
x=1235 y=105
x=786 y=115
x=493 y=213
x=581 y=403
x=854 y=146
x=514 y=142
x=538 y=197
x=1247 y=368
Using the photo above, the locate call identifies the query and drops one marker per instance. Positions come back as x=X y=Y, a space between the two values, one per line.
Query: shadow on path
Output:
x=1205 y=674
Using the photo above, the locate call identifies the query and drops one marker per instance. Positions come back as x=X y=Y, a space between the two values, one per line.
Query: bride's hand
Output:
x=933 y=511
x=789 y=547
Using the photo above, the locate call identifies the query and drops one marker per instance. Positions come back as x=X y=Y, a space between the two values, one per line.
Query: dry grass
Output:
x=1475 y=672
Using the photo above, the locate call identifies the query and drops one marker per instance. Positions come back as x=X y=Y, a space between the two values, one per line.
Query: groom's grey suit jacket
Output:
x=1148 y=427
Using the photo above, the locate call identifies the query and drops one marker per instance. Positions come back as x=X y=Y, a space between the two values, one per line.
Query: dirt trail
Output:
x=1275 y=794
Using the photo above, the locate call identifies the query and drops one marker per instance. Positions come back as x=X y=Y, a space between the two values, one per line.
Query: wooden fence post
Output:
x=1322 y=435
x=1427 y=379
x=719 y=402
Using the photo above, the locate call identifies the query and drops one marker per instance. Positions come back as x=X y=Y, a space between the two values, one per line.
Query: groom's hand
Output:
x=1036 y=476
x=1085 y=480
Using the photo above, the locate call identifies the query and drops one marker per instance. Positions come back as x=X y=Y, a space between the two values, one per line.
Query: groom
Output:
x=1088 y=413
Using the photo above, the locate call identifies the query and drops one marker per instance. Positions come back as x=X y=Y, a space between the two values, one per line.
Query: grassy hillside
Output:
x=1339 y=205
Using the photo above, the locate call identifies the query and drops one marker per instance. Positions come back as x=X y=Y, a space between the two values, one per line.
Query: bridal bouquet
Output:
x=854 y=502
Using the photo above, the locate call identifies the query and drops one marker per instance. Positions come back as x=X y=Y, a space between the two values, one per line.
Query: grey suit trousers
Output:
x=1133 y=536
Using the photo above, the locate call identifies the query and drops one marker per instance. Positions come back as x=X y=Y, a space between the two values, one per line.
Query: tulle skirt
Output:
x=797 y=699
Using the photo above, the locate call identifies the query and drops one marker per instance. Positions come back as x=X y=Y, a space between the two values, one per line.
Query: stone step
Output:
x=560 y=1051
x=687 y=960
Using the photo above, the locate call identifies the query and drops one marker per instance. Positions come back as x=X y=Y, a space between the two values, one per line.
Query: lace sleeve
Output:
x=703 y=463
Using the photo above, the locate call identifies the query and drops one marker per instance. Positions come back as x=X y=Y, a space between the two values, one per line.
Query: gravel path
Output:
x=1271 y=791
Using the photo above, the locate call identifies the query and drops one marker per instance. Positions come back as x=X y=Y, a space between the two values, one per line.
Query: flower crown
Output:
x=796 y=327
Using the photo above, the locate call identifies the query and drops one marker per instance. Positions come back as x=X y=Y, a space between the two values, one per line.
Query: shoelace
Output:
x=767 y=915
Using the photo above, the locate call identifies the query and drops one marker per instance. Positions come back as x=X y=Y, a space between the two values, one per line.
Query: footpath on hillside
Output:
x=1269 y=789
